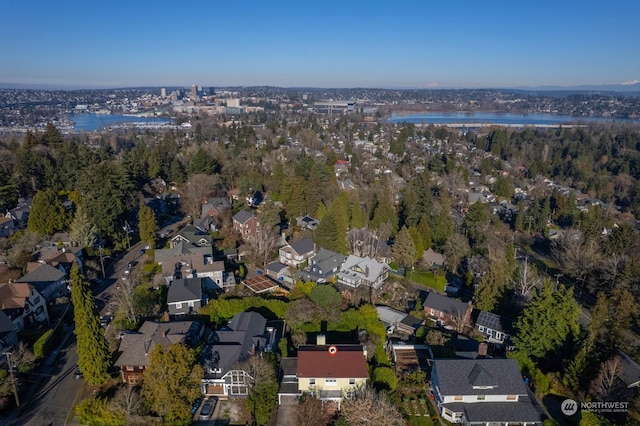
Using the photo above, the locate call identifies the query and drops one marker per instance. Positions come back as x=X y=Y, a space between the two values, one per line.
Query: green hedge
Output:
x=42 y=346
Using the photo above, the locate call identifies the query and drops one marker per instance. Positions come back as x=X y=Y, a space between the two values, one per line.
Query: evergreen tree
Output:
x=93 y=351
x=404 y=249
x=357 y=216
x=147 y=224
x=385 y=213
x=425 y=232
x=82 y=231
x=548 y=322
x=321 y=211
x=47 y=215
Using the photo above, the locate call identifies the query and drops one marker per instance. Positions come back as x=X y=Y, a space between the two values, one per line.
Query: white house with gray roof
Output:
x=296 y=253
x=357 y=271
x=323 y=266
x=483 y=391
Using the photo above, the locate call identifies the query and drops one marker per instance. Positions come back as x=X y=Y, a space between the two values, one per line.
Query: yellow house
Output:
x=331 y=371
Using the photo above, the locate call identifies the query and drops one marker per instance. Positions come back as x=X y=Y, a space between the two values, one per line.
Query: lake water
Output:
x=497 y=118
x=89 y=122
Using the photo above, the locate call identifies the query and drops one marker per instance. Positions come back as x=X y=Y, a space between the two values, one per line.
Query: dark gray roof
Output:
x=135 y=347
x=242 y=216
x=493 y=321
x=276 y=267
x=218 y=203
x=185 y=289
x=444 y=303
x=193 y=235
x=44 y=274
x=180 y=248
x=459 y=376
x=630 y=372
x=520 y=411
x=244 y=333
x=303 y=246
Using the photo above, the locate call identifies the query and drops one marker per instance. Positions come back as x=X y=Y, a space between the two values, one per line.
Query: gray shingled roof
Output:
x=185 y=289
x=444 y=303
x=136 y=347
x=242 y=216
x=234 y=343
x=45 y=273
x=458 y=376
x=500 y=412
x=303 y=246
x=180 y=248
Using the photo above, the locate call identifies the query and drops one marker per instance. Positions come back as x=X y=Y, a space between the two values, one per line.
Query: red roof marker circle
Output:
x=333 y=350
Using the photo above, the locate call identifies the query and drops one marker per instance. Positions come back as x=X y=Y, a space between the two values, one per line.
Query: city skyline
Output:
x=78 y=45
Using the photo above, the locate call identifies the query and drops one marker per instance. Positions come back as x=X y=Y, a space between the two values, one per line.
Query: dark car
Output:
x=195 y=406
x=207 y=409
x=77 y=374
x=105 y=320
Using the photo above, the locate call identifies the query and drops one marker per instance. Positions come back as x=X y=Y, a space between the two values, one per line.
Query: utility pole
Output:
x=102 y=262
x=13 y=378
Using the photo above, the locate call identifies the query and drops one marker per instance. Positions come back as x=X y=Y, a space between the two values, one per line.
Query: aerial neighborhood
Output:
x=274 y=256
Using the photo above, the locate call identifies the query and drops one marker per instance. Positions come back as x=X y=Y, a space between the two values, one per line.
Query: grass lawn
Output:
x=428 y=279
x=417 y=413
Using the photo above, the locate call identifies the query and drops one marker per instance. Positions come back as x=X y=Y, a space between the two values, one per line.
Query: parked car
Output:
x=105 y=320
x=195 y=406
x=207 y=408
x=77 y=374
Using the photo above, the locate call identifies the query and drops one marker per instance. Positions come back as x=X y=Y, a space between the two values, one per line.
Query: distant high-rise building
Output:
x=194 y=92
x=163 y=92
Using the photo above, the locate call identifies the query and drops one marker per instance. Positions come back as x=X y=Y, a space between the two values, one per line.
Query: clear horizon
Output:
x=330 y=44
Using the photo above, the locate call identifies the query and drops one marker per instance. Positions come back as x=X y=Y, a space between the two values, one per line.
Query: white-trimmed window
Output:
x=330 y=382
x=178 y=305
x=352 y=382
x=312 y=382
x=191 y=305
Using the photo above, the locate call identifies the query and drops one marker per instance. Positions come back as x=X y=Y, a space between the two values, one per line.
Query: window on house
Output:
x=352 y=381
x=129 y=367
x=481 y=397
x=458 y=398
x=433 y=311
x=36 y=300
x=312 y=382
x=330 y=382
x=178 y=305
x=191 y=304
x=511 y=397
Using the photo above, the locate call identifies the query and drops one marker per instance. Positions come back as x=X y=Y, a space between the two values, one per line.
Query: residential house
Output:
x=20 y=213
x=188 y=261
x=58 y=257
x=398 y=321
x=297 y=253
x=186 y=296
x=358 y=271
x=23 y=304
x=48 y=280
x=330 y=371
x=280 y=272
x=245 y=334
x=136 y=347
x=8 y=335
x=323 y=266
x=447 y=310
x=307 y=222
x=483 y=391
x=216 y=208
x=191 y=235
x=7 y=227
x=495 y=328
x=433 y=259
x=245 y=223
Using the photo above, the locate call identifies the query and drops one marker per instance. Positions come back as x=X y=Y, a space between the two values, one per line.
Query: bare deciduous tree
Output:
x=526 y=279
x=195 y=190
x=603 y=385
x=367 y=407
x=128 y=401
x=263 y=242
x=311 y=412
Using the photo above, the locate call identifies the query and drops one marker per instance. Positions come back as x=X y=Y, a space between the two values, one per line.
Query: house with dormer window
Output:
x=135 y=347
x=362 y=271
x=296 y=253
x=483 y=391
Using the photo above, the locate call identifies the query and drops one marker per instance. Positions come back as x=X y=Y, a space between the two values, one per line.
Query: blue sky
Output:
x=348 y=43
